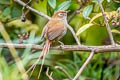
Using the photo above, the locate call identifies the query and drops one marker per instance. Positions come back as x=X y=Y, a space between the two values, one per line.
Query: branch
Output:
x=49 y=76
x=106 y=23
x=109 y=48
x=77 y=11
x=84 y=65
x=74 y=35
x=47 y=17
x=33 y=10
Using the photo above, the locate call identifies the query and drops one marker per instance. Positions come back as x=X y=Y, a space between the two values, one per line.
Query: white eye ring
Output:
x=60 y=14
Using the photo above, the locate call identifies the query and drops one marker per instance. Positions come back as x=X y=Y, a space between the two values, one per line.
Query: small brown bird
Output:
x=54 y=30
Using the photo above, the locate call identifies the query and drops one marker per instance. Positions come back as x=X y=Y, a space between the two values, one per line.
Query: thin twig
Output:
x=59 y=67
x=106 y=23
x=33 y=10
x=77 y=11
x=23 y=17
x=74 y=35
x=47 y=74
x=84 y=65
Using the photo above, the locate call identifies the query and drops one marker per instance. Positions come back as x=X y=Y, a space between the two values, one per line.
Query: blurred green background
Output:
x=88 y=24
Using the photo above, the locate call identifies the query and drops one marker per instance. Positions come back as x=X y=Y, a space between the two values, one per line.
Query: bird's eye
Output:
x=60 y=14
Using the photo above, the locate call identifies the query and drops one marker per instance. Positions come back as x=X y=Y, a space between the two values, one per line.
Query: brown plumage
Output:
x=55 y=29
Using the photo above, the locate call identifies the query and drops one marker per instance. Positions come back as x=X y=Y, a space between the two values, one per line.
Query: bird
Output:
x=54 y=30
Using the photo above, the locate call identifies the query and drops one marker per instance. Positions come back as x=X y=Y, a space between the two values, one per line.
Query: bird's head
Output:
x=60 y=15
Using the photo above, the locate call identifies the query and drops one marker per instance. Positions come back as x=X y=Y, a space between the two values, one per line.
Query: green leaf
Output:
x=64 y=6
x=96 y=1
x=52 y=3
x=83 y=28
x=87 y=10
x=108 y=0
x=6 y=12
x=118 y=8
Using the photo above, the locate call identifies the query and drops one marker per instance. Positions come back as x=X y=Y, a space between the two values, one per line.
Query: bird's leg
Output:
x=61 y=45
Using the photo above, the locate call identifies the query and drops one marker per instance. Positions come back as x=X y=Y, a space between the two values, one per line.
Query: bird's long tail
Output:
x=44 y=52
x=42 y=55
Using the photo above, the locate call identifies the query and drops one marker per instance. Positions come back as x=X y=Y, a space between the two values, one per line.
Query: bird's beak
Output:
x=68 y=11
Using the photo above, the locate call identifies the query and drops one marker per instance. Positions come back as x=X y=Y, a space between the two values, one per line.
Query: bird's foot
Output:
x=61 y=44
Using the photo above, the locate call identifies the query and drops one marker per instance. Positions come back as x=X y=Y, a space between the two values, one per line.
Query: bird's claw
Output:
x=61 y=44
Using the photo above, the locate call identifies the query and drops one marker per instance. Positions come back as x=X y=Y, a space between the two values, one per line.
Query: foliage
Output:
x=88 y=24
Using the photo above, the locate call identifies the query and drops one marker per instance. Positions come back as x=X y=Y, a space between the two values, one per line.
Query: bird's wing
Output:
x=56 y=30
x=43 y=32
